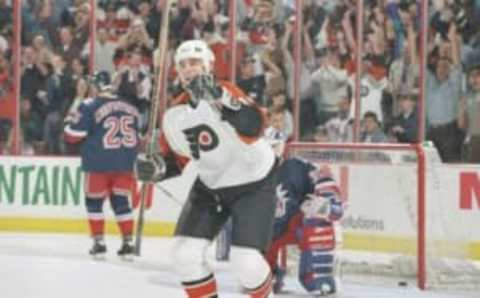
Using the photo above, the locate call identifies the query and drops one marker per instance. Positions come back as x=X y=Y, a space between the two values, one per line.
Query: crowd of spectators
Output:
x=56 y=60
x=6 y=81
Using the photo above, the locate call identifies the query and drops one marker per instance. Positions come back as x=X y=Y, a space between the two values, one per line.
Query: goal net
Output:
x=402 y=224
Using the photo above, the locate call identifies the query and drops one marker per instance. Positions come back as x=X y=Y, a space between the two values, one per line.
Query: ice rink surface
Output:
x=58 y=266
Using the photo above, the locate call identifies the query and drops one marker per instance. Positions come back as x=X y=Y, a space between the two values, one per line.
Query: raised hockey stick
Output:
x=153 y=117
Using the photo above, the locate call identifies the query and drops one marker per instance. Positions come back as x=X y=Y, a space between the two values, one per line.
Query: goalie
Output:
x=308 y=206
x=215 y=126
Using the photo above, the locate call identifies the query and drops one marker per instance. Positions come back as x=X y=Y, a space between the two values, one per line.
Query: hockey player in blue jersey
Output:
x=307 y=207
x=106 y=128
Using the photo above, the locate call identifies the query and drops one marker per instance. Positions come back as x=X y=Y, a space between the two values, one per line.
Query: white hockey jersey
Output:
x=371 y=97
x=222 y=156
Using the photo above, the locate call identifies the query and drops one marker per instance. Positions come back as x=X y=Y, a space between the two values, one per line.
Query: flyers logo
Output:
x=201 y=138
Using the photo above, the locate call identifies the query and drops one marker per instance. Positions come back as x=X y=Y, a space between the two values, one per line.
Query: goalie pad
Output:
x=316 y=269
x=316 y=234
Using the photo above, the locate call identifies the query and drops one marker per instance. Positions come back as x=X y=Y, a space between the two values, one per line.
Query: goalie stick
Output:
x=152 y=121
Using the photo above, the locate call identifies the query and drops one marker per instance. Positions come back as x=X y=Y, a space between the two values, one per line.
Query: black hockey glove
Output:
x=151 y=169
x=203 y=87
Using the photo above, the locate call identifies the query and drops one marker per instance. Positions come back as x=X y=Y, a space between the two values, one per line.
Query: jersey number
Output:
x=126 y=138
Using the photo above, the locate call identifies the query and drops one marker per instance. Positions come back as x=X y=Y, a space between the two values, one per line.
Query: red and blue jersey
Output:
x=108 y=131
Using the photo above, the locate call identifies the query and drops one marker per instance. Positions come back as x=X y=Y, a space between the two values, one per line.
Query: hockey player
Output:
x=107 y=129
x=307 y=207
x=215 y=126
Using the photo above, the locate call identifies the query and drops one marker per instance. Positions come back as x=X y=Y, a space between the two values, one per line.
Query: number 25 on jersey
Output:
x=119 y=132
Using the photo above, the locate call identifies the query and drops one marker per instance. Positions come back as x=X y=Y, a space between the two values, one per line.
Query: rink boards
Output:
x=45 y=194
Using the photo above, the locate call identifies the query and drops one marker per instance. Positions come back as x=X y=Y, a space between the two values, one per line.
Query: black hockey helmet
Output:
x=102 y=81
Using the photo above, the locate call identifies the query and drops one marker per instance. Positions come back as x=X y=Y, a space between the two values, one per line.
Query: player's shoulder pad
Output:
x=236 y=93
x=241 y=112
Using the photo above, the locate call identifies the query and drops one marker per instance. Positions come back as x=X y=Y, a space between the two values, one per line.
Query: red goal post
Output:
x=390 y=167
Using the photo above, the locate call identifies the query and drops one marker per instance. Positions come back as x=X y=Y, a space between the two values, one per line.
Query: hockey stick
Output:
x=152 y=121
x=169 y=195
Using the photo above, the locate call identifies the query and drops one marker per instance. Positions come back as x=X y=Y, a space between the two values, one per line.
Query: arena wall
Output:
x=45 y=194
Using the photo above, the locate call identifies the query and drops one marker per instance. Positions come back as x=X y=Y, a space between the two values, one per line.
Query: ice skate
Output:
x=126 y=251
x=98 y=250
